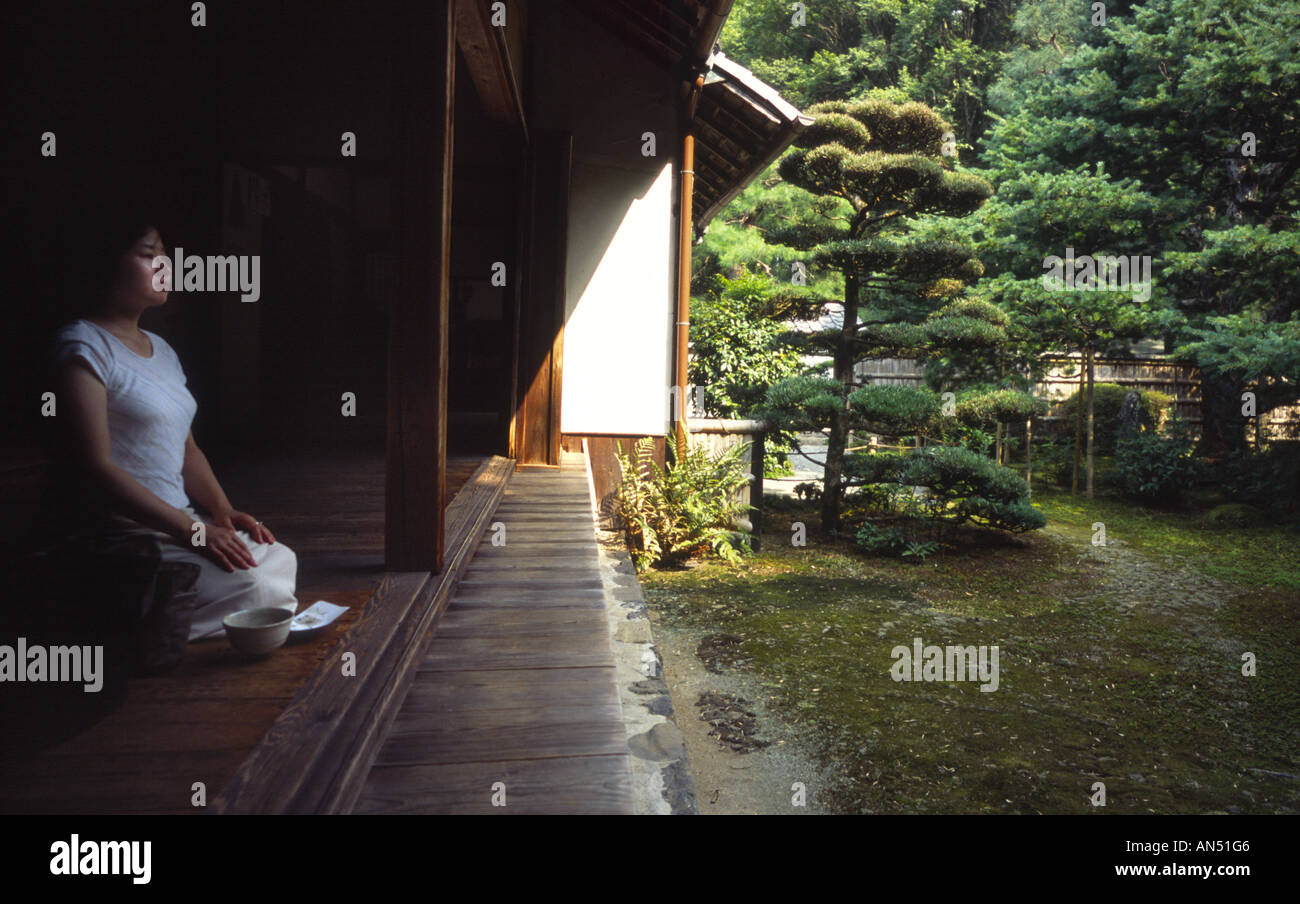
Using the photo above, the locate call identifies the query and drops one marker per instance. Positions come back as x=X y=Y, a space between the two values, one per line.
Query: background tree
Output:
x=943 y=53
x=738 y=349
x=1039 y=215
x=1198 y=106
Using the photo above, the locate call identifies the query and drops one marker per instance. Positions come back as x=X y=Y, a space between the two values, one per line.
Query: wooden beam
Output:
x=424 y=93
x=487 y=57
x=712 y=141
x=712 y=109
x=675 y=36
x=655 y=49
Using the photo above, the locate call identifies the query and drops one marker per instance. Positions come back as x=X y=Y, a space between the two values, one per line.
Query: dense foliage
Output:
x=1108 y=398
x=1153 y=146
x=1157 y=467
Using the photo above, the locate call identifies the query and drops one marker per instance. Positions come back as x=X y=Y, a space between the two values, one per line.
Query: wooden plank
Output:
x=563 y=651
x=540 y=519
x=535 y=551
x=554 y=713
x=520 y=668
x=573 y=623
x=601 y=734
x=524 y=556
x=424 y=95
x=589 y=784
x=536 y=599
x=462 y=618
x=437 y=692
x=528 y=570
x=543 y=492
x=506 y=587
x=532 y=488
x=522 y=537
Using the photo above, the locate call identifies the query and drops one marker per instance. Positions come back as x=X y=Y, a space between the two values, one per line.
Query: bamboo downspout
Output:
x=681 y=354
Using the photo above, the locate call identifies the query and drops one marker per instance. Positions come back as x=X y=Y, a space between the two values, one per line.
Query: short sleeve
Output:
x=72 y=343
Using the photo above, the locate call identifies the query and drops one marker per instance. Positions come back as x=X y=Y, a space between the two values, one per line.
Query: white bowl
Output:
x=256 y=632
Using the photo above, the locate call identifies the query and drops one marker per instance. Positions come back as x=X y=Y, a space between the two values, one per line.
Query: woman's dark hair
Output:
x=95 y=235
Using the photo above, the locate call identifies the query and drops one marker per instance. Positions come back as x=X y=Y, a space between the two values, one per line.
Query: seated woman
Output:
x=125 y=414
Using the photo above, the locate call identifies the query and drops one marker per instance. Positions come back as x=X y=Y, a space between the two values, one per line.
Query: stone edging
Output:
x=662 y=782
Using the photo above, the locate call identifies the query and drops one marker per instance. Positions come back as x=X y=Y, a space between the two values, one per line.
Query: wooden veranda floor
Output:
x=517 y=686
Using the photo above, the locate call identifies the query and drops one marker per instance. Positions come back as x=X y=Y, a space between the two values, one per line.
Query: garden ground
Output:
x=1119 y=663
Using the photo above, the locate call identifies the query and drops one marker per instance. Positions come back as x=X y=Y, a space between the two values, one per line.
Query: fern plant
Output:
x=688 y=507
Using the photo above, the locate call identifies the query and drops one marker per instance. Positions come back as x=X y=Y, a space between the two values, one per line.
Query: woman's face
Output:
x=137 y=274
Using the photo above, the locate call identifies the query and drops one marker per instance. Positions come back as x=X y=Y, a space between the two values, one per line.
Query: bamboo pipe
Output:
x=681 y=355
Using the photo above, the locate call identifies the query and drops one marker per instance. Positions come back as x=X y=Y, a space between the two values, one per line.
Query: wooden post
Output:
x=1090 y=459
x=536 y=435
x=424 y=94
x=523 y=269
x=1029 y=456
x=757 y=453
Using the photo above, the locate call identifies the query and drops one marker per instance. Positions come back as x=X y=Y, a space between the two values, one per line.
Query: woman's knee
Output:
x=280 y=559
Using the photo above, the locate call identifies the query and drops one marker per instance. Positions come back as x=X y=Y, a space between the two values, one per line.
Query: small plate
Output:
x=314 y=619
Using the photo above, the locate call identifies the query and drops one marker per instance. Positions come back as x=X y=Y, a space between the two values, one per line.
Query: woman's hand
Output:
x=245 y=521
x=224 y=546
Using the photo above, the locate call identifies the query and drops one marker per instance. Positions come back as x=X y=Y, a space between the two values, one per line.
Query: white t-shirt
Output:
x=150 y=410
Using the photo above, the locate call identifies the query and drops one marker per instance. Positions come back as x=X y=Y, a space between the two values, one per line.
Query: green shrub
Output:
x=894 y=541
x=962 y=486
x=1157 y=467
x=1268 y=479
x=953 y=432
x=1107 y=398
x=737 y=349
x=688 y=507
x=875 y=539
x=1053 y=459
x=1234 y=514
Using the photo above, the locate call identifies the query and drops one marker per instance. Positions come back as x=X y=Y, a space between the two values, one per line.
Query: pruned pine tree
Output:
x=888 y=165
